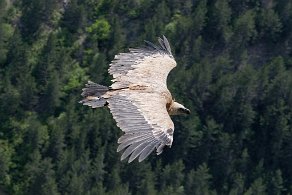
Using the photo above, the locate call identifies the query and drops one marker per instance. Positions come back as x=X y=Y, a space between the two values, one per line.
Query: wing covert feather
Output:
x=147 y=66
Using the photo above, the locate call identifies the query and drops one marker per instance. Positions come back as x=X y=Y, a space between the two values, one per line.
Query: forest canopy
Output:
x=234 y=73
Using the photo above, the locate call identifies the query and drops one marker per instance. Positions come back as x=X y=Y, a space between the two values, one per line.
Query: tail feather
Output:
x=92 y=94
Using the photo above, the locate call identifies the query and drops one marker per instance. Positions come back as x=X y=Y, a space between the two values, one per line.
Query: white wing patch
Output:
x=144 y=119
x=141 y=66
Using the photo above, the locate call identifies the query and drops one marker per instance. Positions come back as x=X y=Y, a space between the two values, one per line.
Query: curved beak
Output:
x=187 y=111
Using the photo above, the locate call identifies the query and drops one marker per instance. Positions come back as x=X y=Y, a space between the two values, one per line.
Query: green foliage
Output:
x=99 y=30
x=257 y=187
x=6 y=32
x=233 y=72
x=77 y=77
x=6 y=153
x=245 y=29
x=198 y=181
x=172 y=176
x=222 y=16
x=270 y=24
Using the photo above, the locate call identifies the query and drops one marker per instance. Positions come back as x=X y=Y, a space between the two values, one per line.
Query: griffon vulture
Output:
x=139 y=99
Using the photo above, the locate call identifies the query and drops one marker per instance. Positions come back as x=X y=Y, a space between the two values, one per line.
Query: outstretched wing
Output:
x=146 y=123
x=147 y=66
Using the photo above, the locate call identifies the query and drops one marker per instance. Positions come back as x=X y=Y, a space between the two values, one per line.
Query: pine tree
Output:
x=42 y=178
x=257 y=187
x=6 y=153
x=276 y=183
x=172 y=177
x=198 y=182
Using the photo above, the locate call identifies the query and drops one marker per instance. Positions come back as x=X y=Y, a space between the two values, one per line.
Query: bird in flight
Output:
x=139 y=99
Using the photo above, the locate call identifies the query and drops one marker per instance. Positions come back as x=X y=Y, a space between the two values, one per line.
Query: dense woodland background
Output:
x=234 y=73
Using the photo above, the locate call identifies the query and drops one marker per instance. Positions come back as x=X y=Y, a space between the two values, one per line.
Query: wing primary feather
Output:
x=130 y=149
x=130 y=136
x=134 y=123
x=133 y=128
x=132 y=141
x=161 y=43
x=147 y=150
x=166 y=44
x=160 y=148
x=129 y=117
x=163 y=138
x=152 y=46
x=137 y=151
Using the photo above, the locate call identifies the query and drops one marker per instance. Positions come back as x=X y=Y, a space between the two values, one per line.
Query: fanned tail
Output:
x=92 y=94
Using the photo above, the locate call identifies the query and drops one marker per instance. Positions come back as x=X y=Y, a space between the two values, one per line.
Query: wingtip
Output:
x=123 y=157
x=164 y=38
x=130 y=160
